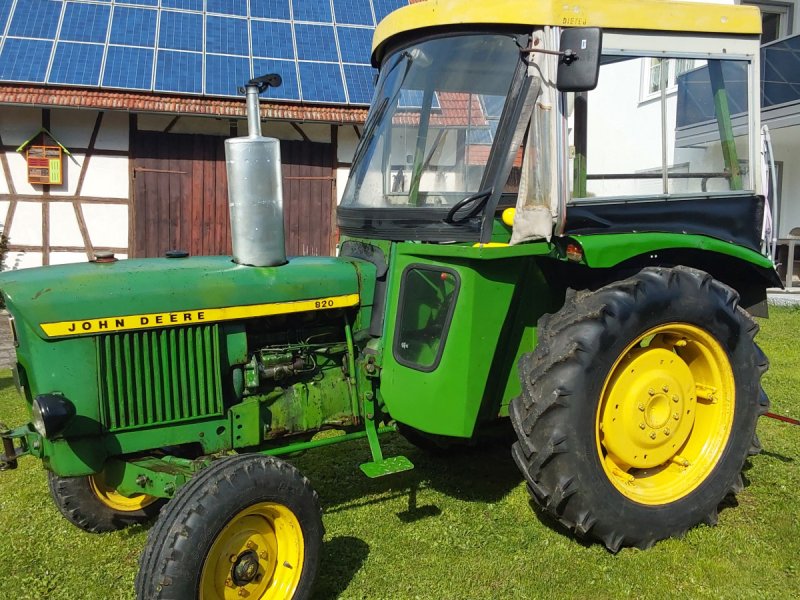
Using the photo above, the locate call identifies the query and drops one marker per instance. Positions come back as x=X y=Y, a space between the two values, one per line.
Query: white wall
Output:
x=623 y=132
x=106 y=177
x=786 y=146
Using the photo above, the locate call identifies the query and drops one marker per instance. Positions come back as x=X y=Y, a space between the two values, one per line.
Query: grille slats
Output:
x=164 y=376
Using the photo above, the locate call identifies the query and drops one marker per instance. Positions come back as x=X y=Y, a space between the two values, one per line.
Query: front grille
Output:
x=160 y=376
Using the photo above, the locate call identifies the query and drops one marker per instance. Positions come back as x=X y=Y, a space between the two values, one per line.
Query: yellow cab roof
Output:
x=654 y=15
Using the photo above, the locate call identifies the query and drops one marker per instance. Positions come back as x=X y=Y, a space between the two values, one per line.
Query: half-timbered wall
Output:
x=88 y=211
x=96 y=206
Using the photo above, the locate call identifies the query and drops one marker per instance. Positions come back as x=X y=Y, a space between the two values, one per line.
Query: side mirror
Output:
x=579 y=63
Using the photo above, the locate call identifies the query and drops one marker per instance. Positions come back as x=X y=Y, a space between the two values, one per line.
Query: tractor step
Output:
x=387 y=466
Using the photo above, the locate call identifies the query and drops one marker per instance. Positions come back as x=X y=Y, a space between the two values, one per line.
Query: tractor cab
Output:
x=443 y=147
x=586 y=122
x=431 y=141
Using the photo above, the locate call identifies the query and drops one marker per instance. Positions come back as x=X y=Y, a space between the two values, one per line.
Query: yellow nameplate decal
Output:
x=192 y=317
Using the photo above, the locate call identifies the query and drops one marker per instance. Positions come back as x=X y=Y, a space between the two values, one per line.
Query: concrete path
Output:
x=784 y=298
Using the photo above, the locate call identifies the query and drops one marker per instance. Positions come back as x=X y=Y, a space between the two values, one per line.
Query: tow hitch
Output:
x=11 y=452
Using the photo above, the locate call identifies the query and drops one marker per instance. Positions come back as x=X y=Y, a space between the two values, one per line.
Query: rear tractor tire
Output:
x=248 y=526
x=639 y=406
x=91 y=505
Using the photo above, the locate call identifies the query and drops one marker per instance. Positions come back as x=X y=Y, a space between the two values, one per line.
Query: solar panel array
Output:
x=321 y=48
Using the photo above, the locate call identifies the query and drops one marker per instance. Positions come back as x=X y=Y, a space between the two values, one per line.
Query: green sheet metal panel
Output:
x=610 y=249
x=89 y=291
x=498 y=304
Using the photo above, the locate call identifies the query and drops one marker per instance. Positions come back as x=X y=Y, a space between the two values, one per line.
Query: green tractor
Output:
x=499 y=260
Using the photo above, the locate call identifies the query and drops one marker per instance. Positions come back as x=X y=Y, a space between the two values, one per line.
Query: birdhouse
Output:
x=44 y=157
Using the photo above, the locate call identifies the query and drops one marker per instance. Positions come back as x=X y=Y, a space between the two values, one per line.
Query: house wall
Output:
x=623 y=131
x=88 y=211
x=92 y=209
x=786 y=147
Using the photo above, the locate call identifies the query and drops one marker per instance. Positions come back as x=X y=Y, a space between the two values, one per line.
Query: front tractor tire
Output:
x=91 y=505
x=639 y=406
x=248 y=526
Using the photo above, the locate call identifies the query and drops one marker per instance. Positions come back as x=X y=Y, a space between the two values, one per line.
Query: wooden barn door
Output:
x=181 y=196
x=309 y=198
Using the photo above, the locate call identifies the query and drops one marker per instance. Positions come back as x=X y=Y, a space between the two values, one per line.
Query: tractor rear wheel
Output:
x=91 y=505
x=248 y=526
x=639 y=406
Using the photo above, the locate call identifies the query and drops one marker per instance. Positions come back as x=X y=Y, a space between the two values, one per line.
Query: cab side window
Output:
x=427 y=301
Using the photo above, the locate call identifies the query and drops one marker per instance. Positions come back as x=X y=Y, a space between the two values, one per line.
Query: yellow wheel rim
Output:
x=666 y=413
x=116 y=501
x=258 y=555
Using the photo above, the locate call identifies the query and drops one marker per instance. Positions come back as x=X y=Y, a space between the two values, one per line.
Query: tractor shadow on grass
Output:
x=778 y=457
x=549 y=521
x=342 y=557
x=482 y=474
x=6 y=382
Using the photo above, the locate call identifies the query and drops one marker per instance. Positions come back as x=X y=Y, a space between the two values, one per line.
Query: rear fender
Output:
x=609 y=257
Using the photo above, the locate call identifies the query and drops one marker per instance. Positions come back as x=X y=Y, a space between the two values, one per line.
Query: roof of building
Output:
x=201 y=48
x=660 y=15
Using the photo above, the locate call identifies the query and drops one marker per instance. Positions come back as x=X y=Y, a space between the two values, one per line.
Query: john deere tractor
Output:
x=555 y=216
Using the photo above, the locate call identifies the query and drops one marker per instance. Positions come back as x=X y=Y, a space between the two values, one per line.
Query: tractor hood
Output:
x=93 y=298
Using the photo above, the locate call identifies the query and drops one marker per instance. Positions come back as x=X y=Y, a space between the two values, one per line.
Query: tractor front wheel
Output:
x=247 y=526
x=639 y=406
x=90 y=504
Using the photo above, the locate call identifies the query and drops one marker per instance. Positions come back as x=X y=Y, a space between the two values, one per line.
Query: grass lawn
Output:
x=459 y=527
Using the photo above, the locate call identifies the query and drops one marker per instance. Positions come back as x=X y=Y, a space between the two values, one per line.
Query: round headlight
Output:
x=50 y=414
x=37 y=419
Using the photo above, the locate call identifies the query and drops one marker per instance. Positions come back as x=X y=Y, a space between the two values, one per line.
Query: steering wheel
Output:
x=481 y=198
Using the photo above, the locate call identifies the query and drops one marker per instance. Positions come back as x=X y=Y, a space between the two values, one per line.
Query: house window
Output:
x=776 y=19
x=661 y=70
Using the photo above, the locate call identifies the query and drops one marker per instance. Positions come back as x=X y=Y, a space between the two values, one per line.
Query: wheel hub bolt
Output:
x=229 y=583
x=665 y=388
x=674 y=398
x=250 y=546
x=245 y=569
x=666 y=431
x=263 y=555
x=653 y=435
x=641 y=407
x=642 y=425
x=676 y=416
x=244 y=593
x=233 y=558
x=651 y=391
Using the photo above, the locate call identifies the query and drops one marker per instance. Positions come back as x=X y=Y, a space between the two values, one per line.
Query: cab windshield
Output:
x=432 y=124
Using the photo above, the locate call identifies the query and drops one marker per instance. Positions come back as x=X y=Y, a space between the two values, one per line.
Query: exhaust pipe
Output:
x=255 y=189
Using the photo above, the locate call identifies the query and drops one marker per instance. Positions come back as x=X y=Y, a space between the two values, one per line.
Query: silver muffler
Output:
x=255 y=189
